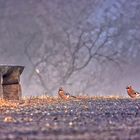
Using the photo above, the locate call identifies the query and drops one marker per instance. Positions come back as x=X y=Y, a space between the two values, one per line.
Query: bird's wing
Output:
x=73 y=96
x=137 y=92
x=67 y=93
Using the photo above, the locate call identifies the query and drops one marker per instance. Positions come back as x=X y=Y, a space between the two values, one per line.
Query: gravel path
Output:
x=108 y=119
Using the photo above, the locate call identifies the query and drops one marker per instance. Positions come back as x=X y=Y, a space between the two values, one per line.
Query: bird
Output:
x=64 y=95
x=132 y=93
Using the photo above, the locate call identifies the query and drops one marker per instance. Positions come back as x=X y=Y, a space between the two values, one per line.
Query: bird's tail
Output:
x=73 y=96
x=137 y=93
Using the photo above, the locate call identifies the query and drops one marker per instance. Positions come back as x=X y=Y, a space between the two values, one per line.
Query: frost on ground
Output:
x=83 y=118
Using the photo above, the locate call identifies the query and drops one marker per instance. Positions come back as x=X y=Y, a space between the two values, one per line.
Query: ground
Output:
x=77 y=119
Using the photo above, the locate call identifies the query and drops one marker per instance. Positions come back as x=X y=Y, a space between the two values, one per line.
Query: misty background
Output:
x=89 y=47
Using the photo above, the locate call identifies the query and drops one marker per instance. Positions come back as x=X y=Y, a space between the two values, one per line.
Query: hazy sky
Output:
x=21 y=19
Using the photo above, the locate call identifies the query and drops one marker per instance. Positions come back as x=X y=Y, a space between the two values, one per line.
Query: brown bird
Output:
x=63 y=95
x=132 y=93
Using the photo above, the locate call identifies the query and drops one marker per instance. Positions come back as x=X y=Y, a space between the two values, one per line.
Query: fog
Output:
x=90 y=47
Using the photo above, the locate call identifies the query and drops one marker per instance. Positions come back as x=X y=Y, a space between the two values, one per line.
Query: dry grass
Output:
x=108 y=97
x=6 y=103
x=38 y=100
x=27 y=101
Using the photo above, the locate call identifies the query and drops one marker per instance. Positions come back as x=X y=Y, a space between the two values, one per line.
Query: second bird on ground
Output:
x=64 y=95
x=132 y=93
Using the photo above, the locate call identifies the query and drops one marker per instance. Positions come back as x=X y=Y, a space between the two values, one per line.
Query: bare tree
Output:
x=75 y=45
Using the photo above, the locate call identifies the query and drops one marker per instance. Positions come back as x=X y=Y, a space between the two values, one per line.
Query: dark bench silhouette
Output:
x=10 y=87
